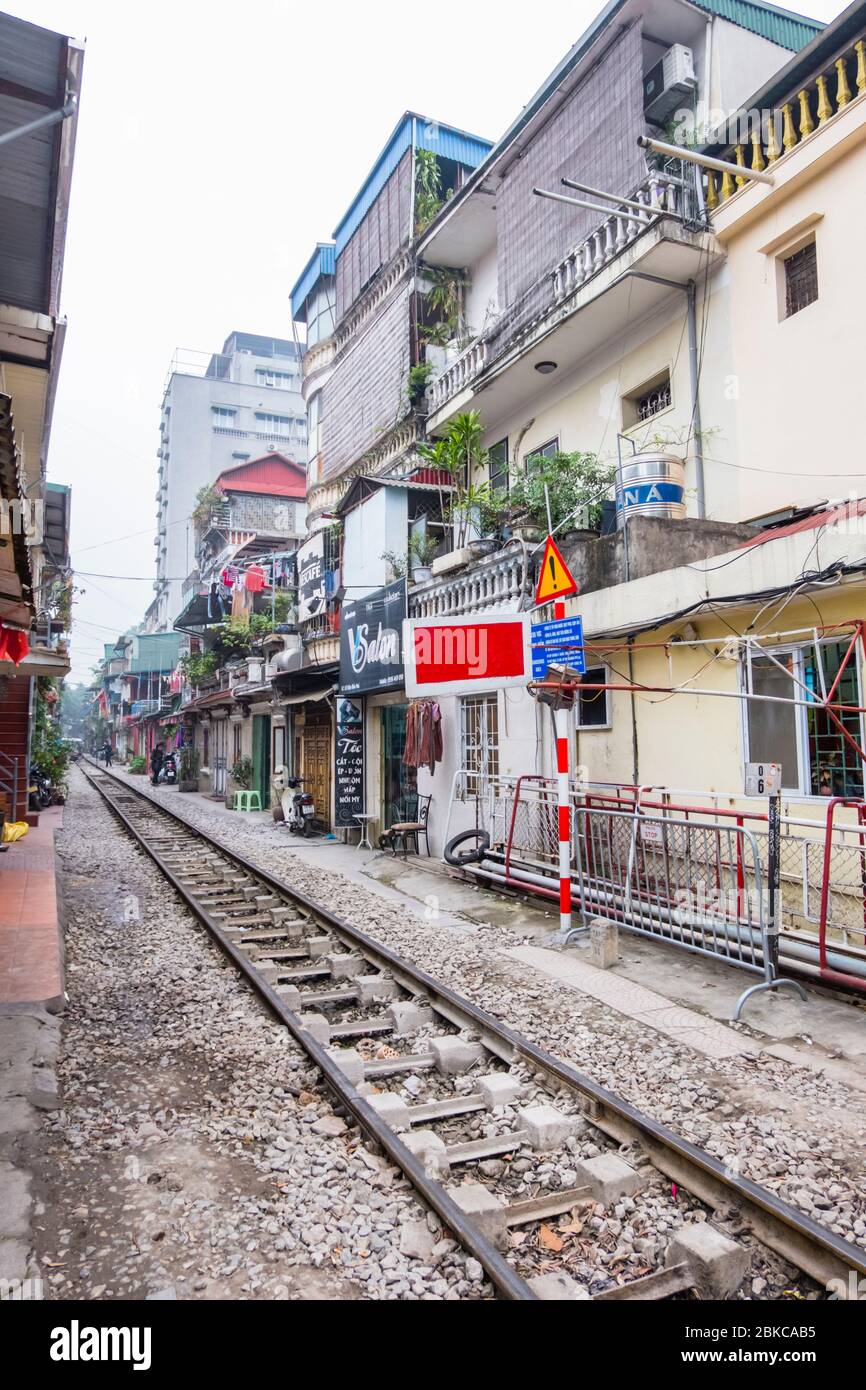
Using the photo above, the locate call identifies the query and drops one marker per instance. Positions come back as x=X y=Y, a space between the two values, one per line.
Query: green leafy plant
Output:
x=443 y=303
x=207 y=499
x=422 y=548
x=577 y=484
x=462 y=455
x=49 y=755
x=397 y=563
x=242 y=773
x=428 y=189
x=416 y=384
x=136 y=765
x=198 y=667
x=189 y=763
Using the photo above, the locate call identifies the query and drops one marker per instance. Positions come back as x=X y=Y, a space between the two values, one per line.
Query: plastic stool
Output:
x=244 y=801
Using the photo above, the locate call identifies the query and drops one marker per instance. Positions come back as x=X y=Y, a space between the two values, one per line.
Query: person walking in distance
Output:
x=155 y=765
x=107 y=753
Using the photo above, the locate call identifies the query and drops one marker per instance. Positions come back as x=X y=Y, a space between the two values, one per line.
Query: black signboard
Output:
x=371 y=632
x=311 y=577
x=349 y=762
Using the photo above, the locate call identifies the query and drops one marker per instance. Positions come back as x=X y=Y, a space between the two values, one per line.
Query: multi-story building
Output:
x=584 y=327
x=40 y=76
x=723 y=618
x=219 y=410
x=365 y=304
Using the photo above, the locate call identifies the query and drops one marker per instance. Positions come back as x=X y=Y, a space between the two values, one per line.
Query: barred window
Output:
x=649 y=399
x=479 y=740
x=654 y=401
x=801 y=279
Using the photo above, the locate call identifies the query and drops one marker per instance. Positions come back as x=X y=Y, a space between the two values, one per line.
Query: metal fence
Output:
x=695 y=875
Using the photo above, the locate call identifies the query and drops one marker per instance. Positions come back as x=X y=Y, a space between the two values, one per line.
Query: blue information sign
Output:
x=559 y=643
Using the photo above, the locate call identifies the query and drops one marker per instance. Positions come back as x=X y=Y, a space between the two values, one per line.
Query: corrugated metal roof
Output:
x=420 y=131
x=274 y=475
x=784 y=27
x=33 y=68
x=322 y=262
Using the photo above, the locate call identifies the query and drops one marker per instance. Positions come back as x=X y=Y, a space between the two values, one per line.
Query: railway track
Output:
x=489 y=1109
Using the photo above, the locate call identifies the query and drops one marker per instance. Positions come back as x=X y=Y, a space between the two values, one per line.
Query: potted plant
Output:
x=422 y=549
x=575 y=484
x=242 y=776
x=189 y=767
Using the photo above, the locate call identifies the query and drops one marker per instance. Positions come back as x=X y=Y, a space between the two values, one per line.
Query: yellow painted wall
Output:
x=696 y=741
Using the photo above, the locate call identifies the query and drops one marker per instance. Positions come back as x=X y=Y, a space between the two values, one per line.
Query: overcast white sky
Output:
x=217 y=142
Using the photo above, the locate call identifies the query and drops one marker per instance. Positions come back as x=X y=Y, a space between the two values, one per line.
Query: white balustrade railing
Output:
x=658 y=194
x=496 y=583
x=460 y=374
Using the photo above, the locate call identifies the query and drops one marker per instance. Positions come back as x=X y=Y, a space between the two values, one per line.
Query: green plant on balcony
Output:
x=443 y=305
x=198 y=667
x=577 y=484
x=428 y=189
x=461 y=454
x=416 y=383
x=398 y=564
x=242 y=773
x=207 y=499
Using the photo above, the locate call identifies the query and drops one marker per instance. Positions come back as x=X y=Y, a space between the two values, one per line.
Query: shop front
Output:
x=372 y=779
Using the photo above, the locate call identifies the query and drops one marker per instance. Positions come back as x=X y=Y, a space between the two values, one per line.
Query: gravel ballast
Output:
x=195 y=1154
x=800 y=1134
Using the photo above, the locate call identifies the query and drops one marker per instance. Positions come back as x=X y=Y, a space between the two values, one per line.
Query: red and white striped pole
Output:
x=561 y=721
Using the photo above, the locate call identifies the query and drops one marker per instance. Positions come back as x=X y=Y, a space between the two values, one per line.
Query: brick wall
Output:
x=376 y=240
x=366 y=393
x=592 y=138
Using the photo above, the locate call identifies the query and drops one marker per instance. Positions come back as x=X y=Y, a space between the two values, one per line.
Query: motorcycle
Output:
x=40 y=791
x=298 y=806
x=168 y=771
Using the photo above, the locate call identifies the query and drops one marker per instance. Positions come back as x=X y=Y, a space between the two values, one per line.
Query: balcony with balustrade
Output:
x=812 y=123
x=496 y=583
x=652 y=242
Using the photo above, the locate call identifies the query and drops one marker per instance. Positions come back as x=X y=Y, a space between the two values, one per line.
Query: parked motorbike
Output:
x=298 y=806
x=40 y=793
x=168 y=771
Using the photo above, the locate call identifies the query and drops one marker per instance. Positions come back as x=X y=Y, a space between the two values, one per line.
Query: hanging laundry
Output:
x=215 y=610
x=423 y=735
x=254 y=579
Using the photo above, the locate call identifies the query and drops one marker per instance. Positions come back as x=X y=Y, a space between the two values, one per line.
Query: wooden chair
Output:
x=402 y=832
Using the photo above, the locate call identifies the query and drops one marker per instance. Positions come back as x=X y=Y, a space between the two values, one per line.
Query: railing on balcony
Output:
x=662 y=191
x=806 y=110
x=461 y=373
x=658 y=193
x=496 y=583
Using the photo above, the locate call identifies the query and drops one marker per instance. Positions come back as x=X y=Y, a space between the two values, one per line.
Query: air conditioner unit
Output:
x=668 y=83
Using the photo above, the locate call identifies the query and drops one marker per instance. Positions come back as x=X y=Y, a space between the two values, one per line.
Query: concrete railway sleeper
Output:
x=485 y=1102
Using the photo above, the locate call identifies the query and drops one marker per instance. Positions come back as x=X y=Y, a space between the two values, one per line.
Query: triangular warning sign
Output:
x=555 y=579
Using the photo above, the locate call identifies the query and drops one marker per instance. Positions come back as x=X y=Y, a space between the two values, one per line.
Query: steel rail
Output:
x=814 y=1249
x=503 y=1277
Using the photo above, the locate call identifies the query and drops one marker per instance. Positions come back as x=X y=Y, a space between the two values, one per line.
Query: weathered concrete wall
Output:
x=654 y=545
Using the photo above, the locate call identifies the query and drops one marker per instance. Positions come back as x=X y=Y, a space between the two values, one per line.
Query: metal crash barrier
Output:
x=699 y=877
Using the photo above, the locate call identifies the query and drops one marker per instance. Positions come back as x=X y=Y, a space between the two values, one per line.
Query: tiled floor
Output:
x=30 y=967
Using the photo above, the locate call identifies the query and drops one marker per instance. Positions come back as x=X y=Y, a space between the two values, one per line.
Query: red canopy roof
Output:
x=273 y=475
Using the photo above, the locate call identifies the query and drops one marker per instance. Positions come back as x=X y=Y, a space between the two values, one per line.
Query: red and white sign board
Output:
x=466 y=656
